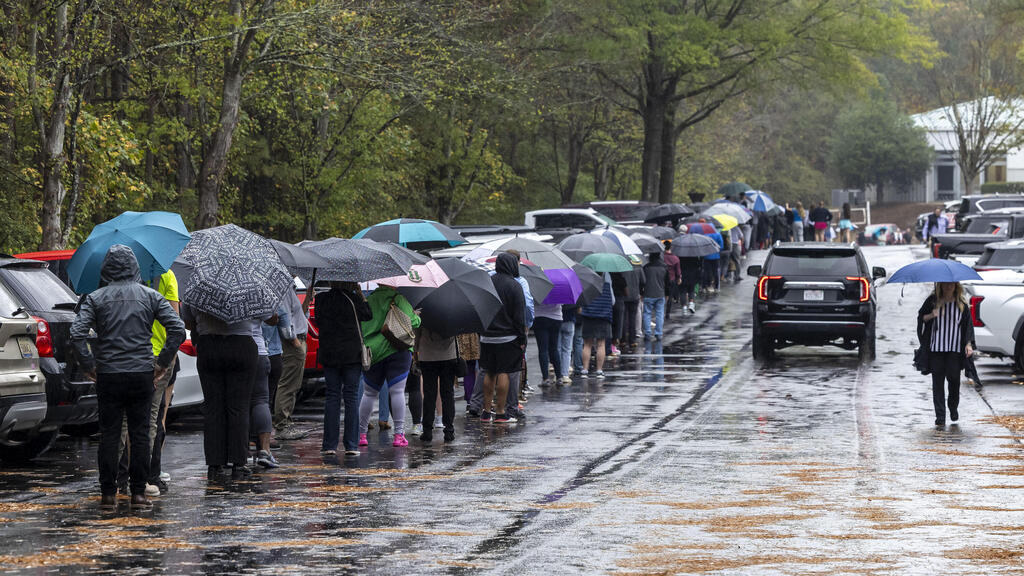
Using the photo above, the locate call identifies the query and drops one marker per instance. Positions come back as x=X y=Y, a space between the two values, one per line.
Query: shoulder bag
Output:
x=399 y=327
x=365 y=356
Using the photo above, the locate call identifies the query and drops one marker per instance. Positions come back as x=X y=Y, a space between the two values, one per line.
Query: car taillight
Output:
x=188 y=348
x=935 y=250
x=976 y=311
x=762 y=287
x=865 y=287
x=44 y=342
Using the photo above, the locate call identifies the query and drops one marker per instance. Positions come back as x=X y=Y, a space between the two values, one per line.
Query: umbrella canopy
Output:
x=591 y=281
x=539 y=283
x=295 y=257
x=626 y=243
x=733 y=190
x=566 y=286
x=730 y=208
x=426 y=276
x=359 y=260
x=759 y=201
x=728 y=222
x=662 y=232
x=607 y=263
x=466 y=303
x=694 y=246
x=579 y=246
x=413 y=233
x=668 y=213
x=649 y=244
x=156 y=238
x=236 y=276
x=700 y=228
x=933 y=270
x=544 y=255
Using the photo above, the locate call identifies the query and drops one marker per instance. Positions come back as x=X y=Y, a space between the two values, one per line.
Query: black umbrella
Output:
x=668 y=213
x=294 y=256
x=591 y=281
x=359 y=260
x=662 y=232
x=579 y=246
x=466 y=303
x=236 y=274
x=694 y=246
x=649 y=244
x=539 y=283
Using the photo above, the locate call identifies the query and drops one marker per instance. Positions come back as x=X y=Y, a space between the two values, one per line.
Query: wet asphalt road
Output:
x=696 y=460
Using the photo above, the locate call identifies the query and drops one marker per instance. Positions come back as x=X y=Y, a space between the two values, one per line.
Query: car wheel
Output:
x=867 y=344
x=762 y=346
x=26 y=451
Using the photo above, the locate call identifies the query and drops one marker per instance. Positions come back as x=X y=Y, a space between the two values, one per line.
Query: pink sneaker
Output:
x=400 y=441
x=363 y=441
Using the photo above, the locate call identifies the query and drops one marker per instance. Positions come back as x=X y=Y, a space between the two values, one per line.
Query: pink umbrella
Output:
x=428 y=275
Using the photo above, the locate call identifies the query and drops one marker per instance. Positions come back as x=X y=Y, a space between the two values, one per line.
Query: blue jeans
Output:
x=577 y=347
x=545 y=330
x=566 y=332
x=342 y=384
x=653 y=307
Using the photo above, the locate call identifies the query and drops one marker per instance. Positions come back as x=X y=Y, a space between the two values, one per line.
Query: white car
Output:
x=585 y=218
x=187 y=390
x=997 y=310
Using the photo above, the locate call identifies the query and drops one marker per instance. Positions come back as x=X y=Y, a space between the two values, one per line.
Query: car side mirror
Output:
x=754 y=271
x=878 y=272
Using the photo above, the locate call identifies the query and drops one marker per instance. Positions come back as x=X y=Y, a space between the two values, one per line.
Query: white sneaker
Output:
x=417 y=430
x=165 y=476
x=693 y=307
x=438 y=423
x=599 y=374
x=152 y=490
x=566 y=380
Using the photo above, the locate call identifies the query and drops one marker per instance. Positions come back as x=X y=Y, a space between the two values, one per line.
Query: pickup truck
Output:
x=997 y=311
x=979 y=231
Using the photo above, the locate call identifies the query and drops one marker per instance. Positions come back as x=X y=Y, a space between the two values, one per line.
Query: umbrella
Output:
x=607 y=263
x=579 y=246
x=591 y=281
x=539 y=283
x=662 y=232
x=156 y=238
x=933 y=270
x=237 y=274
x=426 y=276
x=668 y=212
x=759 y=201
x=732 y=209
x=694 y=246
x=544 y=255
x=295 y=257
x=626 y=243
x=733 y=189
x=566 y=286
x=727 y=222
x=466 y=303
x=359 y=260
x=701 y=228
x=413 y=233
x=649 y=244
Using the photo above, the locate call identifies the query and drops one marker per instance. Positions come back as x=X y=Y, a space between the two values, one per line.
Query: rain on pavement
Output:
x=694 y=460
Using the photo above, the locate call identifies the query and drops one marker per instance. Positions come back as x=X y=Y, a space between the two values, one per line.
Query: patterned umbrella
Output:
x=296 y=257
x=413 y=233
x=359 y=260
x=544 y=255
x=579 y=246
x=236 y=276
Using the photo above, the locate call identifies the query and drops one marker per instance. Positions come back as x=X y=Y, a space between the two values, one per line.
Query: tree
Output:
x=874 y=144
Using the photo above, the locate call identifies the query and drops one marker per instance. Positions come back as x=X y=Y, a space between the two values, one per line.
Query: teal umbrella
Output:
x=604 y=262
x=733 y=190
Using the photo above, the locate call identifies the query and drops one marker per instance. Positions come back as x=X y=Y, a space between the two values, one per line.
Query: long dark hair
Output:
x=846 y=211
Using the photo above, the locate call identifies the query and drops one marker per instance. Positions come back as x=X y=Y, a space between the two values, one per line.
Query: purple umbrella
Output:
x=567 y=287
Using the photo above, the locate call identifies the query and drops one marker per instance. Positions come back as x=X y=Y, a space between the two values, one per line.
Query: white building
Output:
x=944 y=181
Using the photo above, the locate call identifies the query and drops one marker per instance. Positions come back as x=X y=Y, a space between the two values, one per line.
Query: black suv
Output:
x=70 y=396
x=814 y=294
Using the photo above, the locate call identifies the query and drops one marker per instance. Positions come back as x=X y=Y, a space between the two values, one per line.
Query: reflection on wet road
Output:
x=690 y=459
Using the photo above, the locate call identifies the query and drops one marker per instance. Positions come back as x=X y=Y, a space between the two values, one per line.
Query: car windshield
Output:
x=1010 y=257
x=46 y=290
x=8 y=303
x=821 y=263
x=606 y=219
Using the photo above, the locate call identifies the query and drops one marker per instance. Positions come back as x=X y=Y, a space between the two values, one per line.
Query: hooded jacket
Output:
x=510 y=320
x=121 y=313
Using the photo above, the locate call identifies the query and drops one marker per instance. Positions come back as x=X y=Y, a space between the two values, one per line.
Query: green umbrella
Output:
x=604 y=262
x=733 y=189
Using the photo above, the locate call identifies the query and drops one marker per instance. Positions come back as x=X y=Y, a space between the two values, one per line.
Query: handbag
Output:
x=365 y=356
x=399 y=327
x=921 y=363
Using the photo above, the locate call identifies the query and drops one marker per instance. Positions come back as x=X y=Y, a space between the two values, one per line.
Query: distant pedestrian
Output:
x=631 y=309
x=597 y=327
x=846 y=224
x=120 y=360
x=690 y=280
x=944 y=328
x=674 y=277
x=799 y=218
x=656 y=280
x=822 y=218
x=936 y=224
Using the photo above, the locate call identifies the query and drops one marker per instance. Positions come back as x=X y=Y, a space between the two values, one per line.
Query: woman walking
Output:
x=437 y=357
x=339 y=312
x=846 y=225
x=944 y=328
x=821 y=217
x=391 y=361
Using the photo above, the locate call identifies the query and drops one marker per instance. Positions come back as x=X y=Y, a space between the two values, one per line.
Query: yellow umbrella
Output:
x=727 y=222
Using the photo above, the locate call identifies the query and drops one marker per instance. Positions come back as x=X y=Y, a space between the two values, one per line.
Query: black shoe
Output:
x=940 y=422
x=240 y=472
x=516 y=413
x=140 y=501
x=161 y=485
x=214 y=473
x=473 y=412
x=108 y=501
x=449 y=436
x=427 y=436
x=122 y=488
x=954 y=415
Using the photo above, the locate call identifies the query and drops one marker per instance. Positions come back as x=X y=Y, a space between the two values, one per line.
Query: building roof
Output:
x=941 y=119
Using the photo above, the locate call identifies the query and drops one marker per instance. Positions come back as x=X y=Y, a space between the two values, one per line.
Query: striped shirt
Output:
x=946 y=329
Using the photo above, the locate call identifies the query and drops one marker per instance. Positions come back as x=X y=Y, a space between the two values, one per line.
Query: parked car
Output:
x=622 y=211
x=988 y=228
x=583 y=218
x=997 y=311
x=1001 y=256
x=880 y=235
x=70 y=396
x=22 y=384
x=814 y=294
x=977 y=203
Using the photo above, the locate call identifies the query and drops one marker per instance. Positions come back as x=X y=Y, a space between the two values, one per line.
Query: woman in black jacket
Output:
x=944 y=328
x=338 y=314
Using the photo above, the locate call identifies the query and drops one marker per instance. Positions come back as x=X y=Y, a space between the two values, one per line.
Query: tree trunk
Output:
x=185 y=175
x=600 y=179
x=52 y=156
x=667 y=177
x=576 y=140
x=76 y=174
x=215 y=160
x=650 y=163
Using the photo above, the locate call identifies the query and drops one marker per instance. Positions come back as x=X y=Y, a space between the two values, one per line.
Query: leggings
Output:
x=469 y=381
x=259 y=401
x=392 y=371
x=945 y=366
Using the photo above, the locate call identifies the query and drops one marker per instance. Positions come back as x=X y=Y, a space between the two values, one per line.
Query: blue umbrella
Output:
x=760 y=202
x=934 y=270
x=156 y=238
x=413 y=233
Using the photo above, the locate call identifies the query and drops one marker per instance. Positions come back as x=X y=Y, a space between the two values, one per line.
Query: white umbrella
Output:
x=627 y=244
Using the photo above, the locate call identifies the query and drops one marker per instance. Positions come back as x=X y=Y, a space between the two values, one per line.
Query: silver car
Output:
x=22 y=384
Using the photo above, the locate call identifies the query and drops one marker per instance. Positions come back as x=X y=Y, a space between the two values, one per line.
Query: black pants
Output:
x=276 y=367
x=226 y=366
x=119 y=396
x=618 y=318
x=672 y=296
x=412 y=388
x=629 y=322
x=439 y=374
x=945 y=366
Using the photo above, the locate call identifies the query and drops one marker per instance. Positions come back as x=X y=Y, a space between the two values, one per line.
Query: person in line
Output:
x=293 y=364
x=620 y=288
x=260 y=419
x=227 y=359
x=945 y=330
x=821 y=217
x=546 y=326
x=655 y=280
x=597 y=327
x=120 y=360
x=846 y=224
x=675 y=275
x=724 y=256
x=519 y=384
x=339 y=314
x=634 y=284
x=936 y=224
x=438 y=358
x=167 y=285
x=577 y=342
x=501 y=346
x=566 y=333
x=691 y=273
x=797 y=217
x=709 y=271
x=469 y=349
x=392 y=360
x=736 y=254
x=273 y=335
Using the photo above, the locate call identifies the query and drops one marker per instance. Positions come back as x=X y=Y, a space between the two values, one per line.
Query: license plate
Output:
x=25 y=345
x=817 y=295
